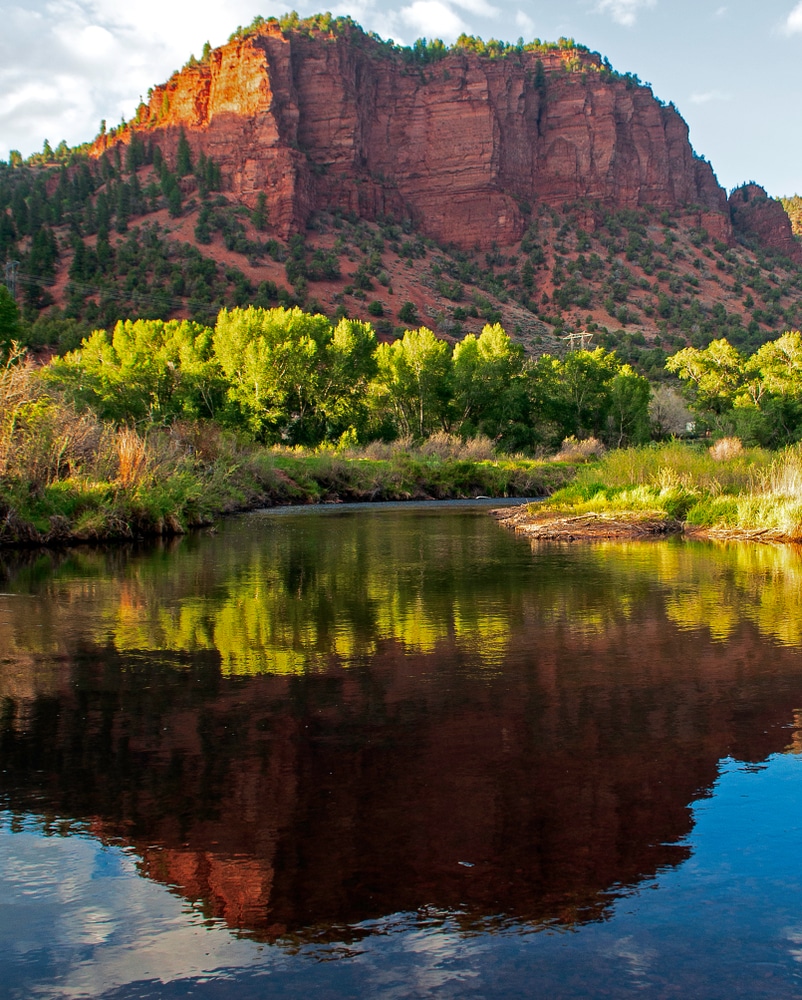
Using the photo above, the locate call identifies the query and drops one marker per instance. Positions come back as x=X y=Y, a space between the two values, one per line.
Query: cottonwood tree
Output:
x=413 y=383
x=147 y=370
x=489 y=396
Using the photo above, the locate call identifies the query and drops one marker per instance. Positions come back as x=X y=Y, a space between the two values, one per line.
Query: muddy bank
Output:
x=554 y=526
x=561 y=526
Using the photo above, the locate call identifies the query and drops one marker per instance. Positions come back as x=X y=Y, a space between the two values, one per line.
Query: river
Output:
x=398 y=752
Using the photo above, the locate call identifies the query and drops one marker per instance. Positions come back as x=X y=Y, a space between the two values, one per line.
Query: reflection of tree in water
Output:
x=350 y=783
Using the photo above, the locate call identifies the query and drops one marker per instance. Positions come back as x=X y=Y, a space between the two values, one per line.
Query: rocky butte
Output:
x=463 y=144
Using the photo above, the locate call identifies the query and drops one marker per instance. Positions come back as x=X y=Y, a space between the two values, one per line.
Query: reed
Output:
x=727 y=490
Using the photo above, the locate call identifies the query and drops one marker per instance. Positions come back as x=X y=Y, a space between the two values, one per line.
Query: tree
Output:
x=489 y=396
x=588 y=393
x=408 y=313
x=414 y=382
x=628 y=412
x=274 y=361
x=669 y=413
x=9 y=320
x=183 y=160
x=147 y=370
x=719 y=374
x=259 y=214
x=350 y=364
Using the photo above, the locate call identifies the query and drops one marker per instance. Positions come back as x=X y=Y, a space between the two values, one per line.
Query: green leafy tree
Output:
x=274 y=361
x=413 y=382
x=408 y=313
x=628 y=412
x=183 y=160
x=488 y=392
x=259 y=214
x=148 y=370
x=350 y=365
x=719 y=375
x=589 y=393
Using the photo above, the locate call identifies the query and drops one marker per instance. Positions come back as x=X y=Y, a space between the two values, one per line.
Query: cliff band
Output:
x=461 y=146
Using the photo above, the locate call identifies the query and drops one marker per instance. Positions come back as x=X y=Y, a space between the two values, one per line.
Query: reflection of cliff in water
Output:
x=560 y=768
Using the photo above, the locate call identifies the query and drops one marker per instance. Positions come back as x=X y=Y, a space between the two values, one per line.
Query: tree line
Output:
x=286 y=376
x=757 y=396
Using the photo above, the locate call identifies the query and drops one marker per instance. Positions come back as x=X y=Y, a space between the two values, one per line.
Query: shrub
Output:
x=573 y=450
x=726 y=448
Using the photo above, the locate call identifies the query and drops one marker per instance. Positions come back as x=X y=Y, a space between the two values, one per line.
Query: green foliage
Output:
x=10 y=328
x=489 y=394
x=793 y=206
x=758 y=397
x=589 y=393
x=408 y=312
x=149 y=370
x=259 y=215
x=183 y=161
x=412 y=382
x=291 y=376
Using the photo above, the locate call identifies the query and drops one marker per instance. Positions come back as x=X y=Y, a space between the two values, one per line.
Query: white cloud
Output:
x=525 y=23
x=721 y=11
x=709 y=96
x=624 y=11
x=479 y=7
x=433 y=19
x=793 y=24
x=65 y=64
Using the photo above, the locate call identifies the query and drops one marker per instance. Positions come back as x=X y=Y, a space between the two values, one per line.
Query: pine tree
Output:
x=183 y=163
x=9 y=318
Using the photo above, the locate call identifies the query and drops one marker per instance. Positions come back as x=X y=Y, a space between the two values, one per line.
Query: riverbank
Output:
x=176 y=480
x=725 y=492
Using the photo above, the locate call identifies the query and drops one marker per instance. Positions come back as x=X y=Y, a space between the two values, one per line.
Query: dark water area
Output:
x=399 y=752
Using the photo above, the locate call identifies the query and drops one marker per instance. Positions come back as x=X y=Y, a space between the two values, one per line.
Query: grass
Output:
x=67 y=477
x=726 y=491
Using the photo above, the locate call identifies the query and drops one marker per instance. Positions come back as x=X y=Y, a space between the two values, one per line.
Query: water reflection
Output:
x=305 y=724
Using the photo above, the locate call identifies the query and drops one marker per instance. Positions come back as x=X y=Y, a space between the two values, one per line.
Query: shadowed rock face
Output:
x=763 y=219
x=459 y=145
x=469 y=725
x=305 y=806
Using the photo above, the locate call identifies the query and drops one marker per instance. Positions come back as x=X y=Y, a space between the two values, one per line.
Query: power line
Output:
x=116 y=293
x=11 y=272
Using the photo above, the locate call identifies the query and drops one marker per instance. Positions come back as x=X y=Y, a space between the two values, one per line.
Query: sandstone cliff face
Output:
x=756 y=216
x=459 y=145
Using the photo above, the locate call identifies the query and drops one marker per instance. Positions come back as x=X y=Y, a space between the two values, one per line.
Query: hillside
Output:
x=310 y=162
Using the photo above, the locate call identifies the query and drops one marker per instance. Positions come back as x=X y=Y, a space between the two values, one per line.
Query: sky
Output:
x=733 y=68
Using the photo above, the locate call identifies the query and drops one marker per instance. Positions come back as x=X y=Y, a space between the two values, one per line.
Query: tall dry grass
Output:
x=132 y=457
x=42 y=438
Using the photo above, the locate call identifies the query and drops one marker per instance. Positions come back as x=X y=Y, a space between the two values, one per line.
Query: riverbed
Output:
x=400 y=752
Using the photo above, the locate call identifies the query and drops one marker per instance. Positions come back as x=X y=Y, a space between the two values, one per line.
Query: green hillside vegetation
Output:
x=160 y=425
x=99 y=241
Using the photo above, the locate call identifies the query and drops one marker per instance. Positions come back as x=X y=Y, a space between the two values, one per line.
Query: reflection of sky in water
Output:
x=77 y=920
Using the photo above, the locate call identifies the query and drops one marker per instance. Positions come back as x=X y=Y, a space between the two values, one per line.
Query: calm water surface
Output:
x=399 y=753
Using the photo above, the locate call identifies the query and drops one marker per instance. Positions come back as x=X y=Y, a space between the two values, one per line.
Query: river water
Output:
x=398 y=752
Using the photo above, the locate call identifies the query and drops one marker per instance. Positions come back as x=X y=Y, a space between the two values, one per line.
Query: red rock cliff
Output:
x=340 y=120
x=756 y=216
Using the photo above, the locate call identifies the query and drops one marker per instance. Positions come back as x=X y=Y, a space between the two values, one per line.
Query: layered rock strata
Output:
x=463 y=146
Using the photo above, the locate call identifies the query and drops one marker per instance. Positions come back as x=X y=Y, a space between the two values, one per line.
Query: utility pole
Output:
x=583 y=339
x=12 y=266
